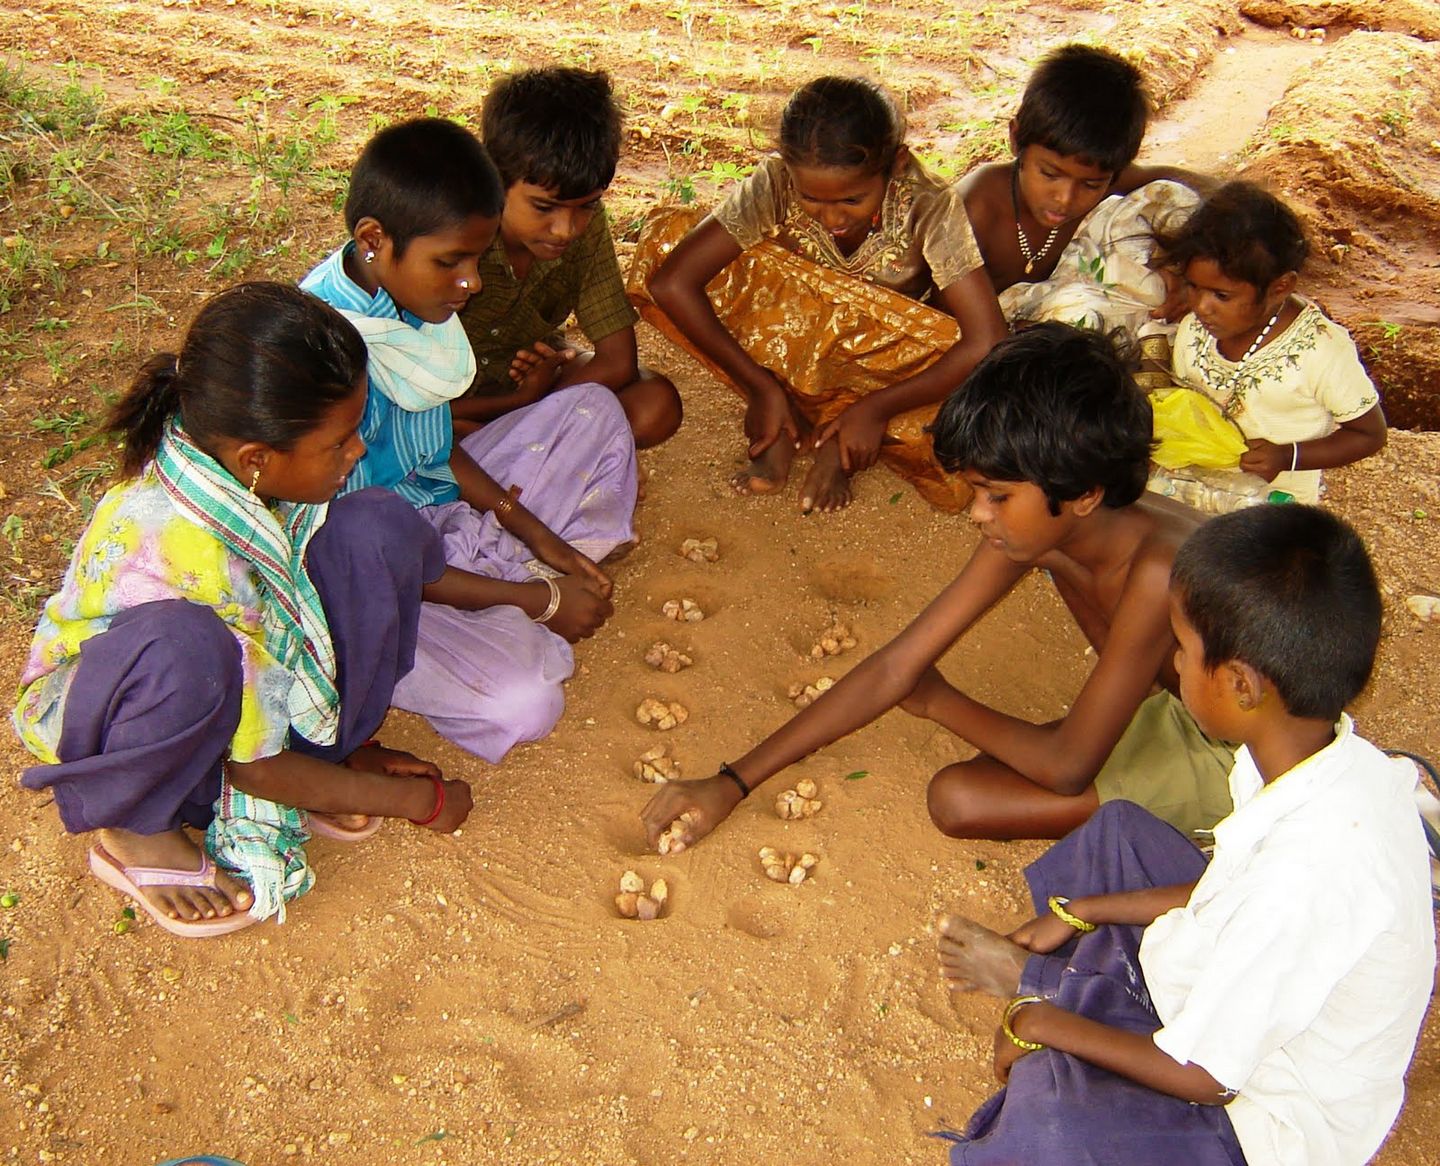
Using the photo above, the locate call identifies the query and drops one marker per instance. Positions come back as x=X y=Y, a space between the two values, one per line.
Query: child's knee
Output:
x=374 y=529
x=529 y=707
x=949 y=799
x=653 y=408
x=180 y=653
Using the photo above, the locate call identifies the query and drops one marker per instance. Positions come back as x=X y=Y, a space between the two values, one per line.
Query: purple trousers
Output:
x=1058 y=1110
x=156 y=697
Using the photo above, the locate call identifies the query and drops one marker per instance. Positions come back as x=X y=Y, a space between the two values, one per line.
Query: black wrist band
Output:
x=736 y=778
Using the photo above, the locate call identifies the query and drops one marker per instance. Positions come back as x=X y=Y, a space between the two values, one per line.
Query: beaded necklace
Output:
x=1227 y=390
x=1030 y=259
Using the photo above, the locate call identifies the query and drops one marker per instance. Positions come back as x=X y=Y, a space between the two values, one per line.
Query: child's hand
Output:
x=555 y=552
x=1043 y=934
x=768 y=419
x=709 y=801
x=1265 y=459
x=396 y=762
x=583 y=608
x=1177 y=297
x=535 y=370
x=1007 y=1052
x=458 y=803
x=858 y=431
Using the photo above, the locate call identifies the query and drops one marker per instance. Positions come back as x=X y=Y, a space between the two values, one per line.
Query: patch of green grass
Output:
x=176 y=135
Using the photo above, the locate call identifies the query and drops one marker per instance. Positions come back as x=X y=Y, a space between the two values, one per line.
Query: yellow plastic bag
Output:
x=1191 y=431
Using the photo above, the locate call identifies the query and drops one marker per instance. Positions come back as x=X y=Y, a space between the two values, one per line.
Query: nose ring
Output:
x=465 y=285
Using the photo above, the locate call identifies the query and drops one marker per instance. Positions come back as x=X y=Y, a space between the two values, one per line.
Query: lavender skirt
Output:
x=490 y=679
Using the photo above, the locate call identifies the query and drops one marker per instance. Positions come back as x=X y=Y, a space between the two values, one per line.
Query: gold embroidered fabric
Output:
x=923 y=240
x=830 y=338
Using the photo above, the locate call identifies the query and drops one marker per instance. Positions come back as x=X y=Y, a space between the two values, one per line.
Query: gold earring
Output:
x=254 y=479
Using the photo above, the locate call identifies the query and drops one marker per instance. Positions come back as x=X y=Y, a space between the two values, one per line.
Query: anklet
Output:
x=1057 y=906
x=1011 y=1009
x=439 y=802
x=736 y=778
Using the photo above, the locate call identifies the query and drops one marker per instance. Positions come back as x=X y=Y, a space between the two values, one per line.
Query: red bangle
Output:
x=439 y=803
x=373 y=741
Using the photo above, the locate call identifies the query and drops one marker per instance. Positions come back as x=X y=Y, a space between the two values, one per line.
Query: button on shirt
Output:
x=1300 y=969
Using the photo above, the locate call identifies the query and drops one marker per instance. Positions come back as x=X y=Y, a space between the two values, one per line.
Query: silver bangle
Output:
x=554 y=605
x=1294 y=455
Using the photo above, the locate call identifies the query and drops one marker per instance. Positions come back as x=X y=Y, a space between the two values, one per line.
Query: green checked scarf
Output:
x=259 y=840
x=273 y=543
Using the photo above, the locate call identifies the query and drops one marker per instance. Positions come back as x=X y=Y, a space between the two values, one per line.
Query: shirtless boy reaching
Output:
x=1053 y=435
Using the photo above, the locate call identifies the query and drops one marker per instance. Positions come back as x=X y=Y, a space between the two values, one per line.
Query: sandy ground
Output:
x=475 y=998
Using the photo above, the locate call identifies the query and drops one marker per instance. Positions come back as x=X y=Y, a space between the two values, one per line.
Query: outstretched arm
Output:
x=876 y=685
x=860 y=429
x=678 y=288
x=1065 y=756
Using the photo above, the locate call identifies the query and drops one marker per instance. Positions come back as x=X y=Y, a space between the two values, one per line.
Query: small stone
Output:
x=699 y=550
x=1425 y=607
x=665 y=658
x=632 y=882
x=657 y=765
x=661 y=714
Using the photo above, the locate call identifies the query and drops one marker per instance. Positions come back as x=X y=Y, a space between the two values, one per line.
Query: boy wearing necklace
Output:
x=1055 y=246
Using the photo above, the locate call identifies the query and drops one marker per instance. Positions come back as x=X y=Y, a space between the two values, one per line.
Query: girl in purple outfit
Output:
x=225 y=638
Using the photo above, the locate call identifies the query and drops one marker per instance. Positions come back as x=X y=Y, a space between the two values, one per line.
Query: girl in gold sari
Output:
x=839 y=289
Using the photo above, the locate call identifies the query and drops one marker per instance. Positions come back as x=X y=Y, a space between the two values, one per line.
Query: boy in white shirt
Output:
x=1269 y=1008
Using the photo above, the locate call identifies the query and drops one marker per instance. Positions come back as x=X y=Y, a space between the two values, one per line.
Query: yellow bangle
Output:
x=1057 y=906
x=1011 y=1009
x=504 y=506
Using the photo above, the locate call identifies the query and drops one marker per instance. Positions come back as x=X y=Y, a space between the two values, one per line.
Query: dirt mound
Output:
x=1417 y=17
x=1354 y=147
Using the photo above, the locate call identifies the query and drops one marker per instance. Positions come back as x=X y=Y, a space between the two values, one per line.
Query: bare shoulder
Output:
x=1164 y=525
x=986 y=191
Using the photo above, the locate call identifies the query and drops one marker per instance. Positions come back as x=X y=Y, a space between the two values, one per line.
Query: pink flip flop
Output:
x=323 y=826
x=129 y=879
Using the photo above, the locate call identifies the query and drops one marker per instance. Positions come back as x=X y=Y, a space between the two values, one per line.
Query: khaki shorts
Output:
x=1164 y=763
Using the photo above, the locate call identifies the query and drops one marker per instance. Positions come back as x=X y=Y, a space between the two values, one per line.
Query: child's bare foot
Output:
x=768 y=472
x=976 y=959
x=827 y=485
x=173 y=850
